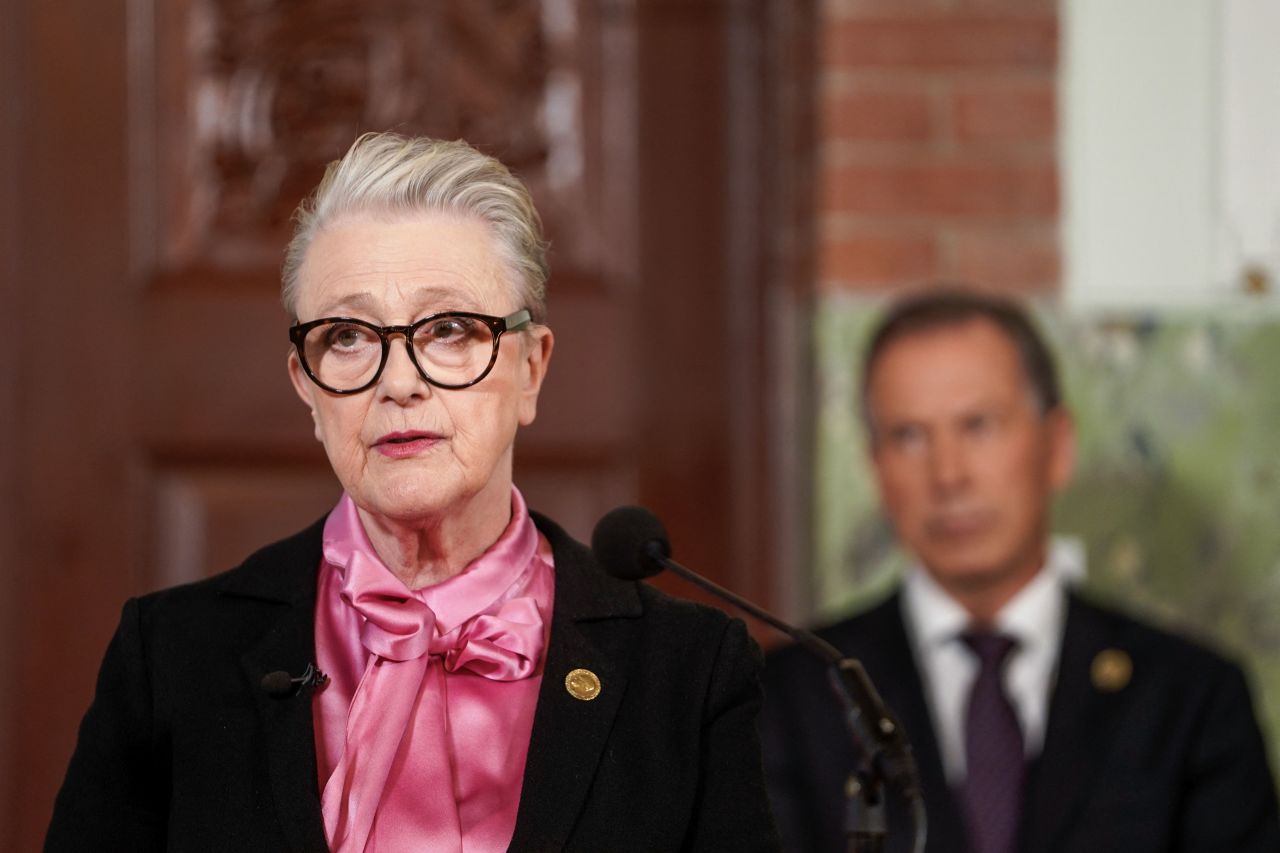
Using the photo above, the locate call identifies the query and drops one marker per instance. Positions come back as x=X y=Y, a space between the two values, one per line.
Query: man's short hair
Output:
x=953 y=305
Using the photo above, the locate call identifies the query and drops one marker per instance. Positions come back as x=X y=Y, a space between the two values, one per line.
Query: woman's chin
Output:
x=406 y=509
x=415 y=503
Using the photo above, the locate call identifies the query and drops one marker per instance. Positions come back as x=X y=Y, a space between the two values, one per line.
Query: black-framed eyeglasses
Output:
x=453 y=349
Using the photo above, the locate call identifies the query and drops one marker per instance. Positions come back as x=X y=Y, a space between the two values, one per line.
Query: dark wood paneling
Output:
x=215 y=377
x=586 y=402
x=771 y=260
x=573 y=492
x=77 y=505
x=723 y=107
x=11 y=323
x=681 y=334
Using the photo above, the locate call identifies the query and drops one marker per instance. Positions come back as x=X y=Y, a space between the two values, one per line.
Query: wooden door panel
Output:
x=588 y=401
x=214 y=380
x=575 y=493
x=206 y=520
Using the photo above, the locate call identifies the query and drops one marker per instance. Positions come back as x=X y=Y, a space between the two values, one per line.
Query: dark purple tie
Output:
x=994 y=759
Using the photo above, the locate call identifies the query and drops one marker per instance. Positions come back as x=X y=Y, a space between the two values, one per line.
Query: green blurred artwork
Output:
x=1176 y=497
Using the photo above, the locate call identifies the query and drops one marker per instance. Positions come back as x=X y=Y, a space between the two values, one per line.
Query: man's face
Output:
x=966 y=463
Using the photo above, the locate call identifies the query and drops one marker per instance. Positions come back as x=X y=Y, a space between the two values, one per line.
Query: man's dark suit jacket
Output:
x=182 y=750
x=1171 y=761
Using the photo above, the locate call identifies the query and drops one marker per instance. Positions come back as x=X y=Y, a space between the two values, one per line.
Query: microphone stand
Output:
x=865 y=828
x=865 y=823
x=878 y=739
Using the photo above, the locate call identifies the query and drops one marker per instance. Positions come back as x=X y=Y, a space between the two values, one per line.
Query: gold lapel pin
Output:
x=582 y=684
x=1111 y=670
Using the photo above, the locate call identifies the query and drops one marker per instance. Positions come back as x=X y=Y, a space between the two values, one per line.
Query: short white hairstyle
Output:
x=391 y=174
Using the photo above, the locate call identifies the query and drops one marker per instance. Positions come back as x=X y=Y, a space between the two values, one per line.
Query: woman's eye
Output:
x=448 y=329
x=347 y=336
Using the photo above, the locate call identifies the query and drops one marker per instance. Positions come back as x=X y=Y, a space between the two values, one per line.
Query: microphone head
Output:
x=278 y=684
x=629 y=543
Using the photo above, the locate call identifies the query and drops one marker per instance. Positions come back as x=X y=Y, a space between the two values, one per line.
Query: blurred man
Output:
x=1040 y=721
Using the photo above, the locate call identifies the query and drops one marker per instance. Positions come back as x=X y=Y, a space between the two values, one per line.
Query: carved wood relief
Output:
x=271 y=90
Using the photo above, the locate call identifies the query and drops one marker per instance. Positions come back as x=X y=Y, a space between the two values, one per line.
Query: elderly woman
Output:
x=485 y=685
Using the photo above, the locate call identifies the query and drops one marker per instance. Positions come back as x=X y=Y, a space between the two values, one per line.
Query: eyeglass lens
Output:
x=451 y=350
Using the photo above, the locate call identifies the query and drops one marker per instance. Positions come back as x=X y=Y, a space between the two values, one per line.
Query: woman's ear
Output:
x=536 y=355
x=304 y=388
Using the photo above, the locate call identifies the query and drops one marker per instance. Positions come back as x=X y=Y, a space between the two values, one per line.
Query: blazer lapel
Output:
x=1077 y=736
x=569 y=733
x=289 y=582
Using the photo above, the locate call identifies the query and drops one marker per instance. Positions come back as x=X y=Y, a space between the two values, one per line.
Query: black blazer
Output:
x=1173 y=761
x=182 y=750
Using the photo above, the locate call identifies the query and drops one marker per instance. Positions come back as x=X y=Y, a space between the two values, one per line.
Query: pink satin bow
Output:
x=502 y=643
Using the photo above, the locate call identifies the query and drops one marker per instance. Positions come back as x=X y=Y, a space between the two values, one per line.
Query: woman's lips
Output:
x=398 y=445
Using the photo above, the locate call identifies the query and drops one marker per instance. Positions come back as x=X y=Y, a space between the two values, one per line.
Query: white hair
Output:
x=386 y=173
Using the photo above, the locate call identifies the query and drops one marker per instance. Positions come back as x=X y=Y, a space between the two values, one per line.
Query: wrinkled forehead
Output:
x=408 y=263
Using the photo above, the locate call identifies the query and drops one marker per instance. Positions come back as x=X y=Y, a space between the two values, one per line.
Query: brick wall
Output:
x=937 y=129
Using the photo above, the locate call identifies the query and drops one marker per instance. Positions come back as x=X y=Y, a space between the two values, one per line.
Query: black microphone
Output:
x=280 y=685
x=630 y=543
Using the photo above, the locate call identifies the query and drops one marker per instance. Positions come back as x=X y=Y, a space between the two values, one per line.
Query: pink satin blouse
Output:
x=423 y=729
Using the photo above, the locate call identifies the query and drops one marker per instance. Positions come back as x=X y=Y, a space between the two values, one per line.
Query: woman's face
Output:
x=404 y=449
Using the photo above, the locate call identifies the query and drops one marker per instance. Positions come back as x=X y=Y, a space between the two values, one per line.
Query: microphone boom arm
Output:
x=886 y=753
x=850 y=678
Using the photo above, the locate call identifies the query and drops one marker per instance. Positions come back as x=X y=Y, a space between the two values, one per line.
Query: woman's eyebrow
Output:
x=447 y=298
x=360 y=300
x=436 y=298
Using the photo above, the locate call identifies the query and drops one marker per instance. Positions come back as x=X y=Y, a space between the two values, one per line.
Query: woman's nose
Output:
x=401 y=379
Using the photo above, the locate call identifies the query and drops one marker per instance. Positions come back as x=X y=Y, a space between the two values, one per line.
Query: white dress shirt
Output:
x=1034 y=617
